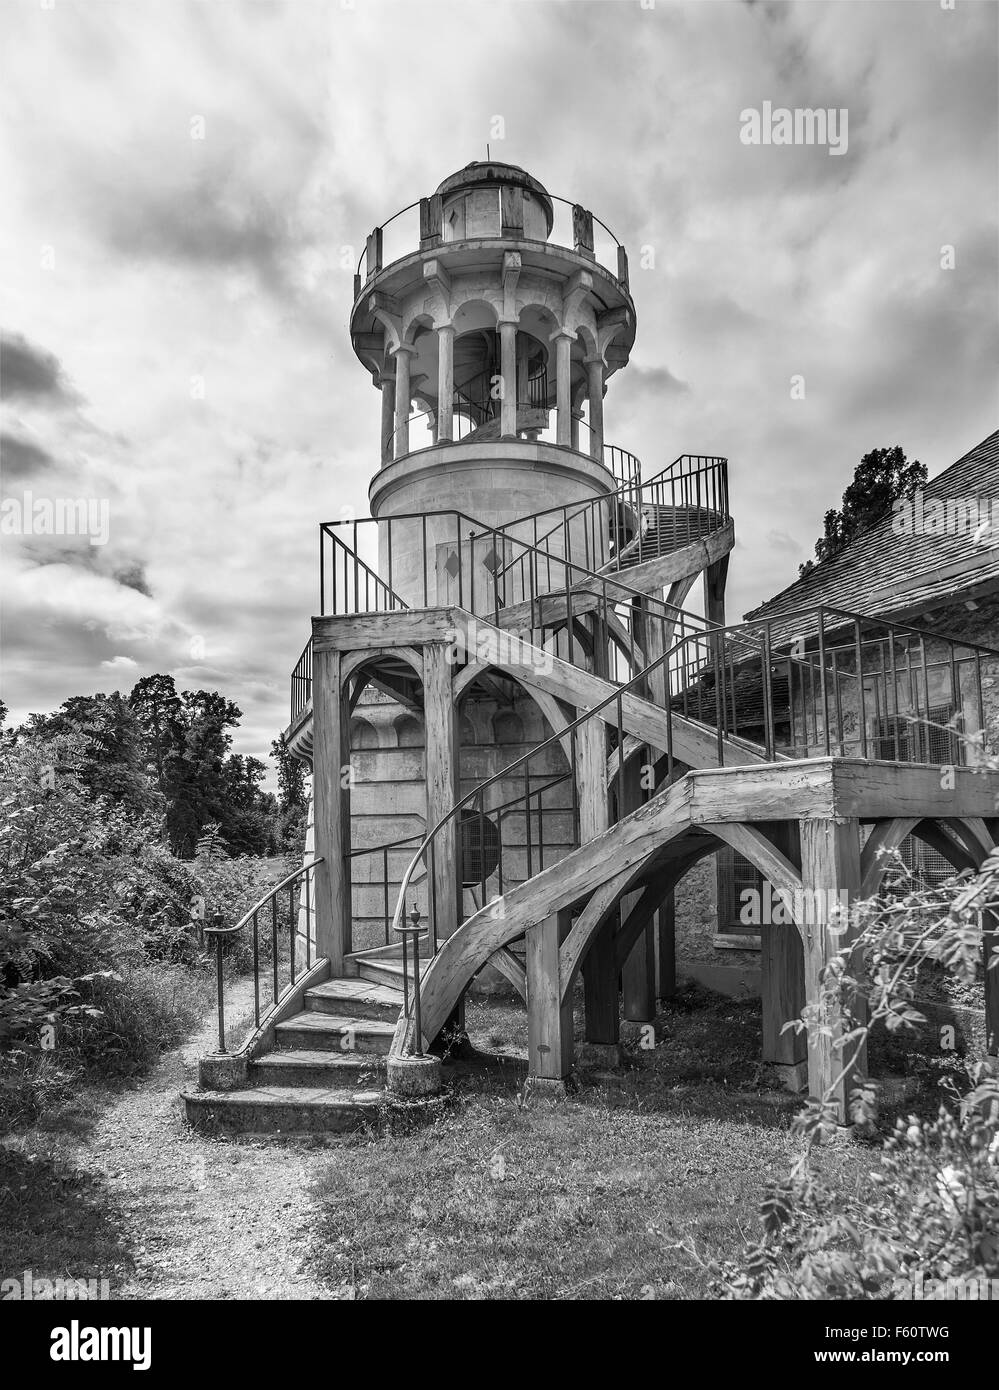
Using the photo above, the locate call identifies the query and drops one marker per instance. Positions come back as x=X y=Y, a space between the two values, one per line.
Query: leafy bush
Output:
x=931 y=1210
x=101 y=959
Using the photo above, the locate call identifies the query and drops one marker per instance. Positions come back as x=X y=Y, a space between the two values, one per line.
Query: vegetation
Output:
x=880 y=479
x=101 y=961
x=596 y=1196
x=929 y=1210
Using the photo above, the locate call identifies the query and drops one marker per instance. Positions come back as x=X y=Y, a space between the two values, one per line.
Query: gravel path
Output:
x=202 y=1218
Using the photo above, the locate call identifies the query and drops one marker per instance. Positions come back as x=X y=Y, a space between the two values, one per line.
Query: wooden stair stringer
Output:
x=630 y=843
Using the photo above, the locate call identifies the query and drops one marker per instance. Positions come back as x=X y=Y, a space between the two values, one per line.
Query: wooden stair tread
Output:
x=353 y=988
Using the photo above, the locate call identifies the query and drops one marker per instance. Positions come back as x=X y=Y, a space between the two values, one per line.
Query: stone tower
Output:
x=492 y=346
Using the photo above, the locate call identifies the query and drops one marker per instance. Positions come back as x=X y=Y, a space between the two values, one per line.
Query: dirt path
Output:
x=201 y=1218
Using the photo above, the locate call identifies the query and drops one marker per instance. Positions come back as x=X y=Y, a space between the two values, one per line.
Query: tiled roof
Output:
x=884 y=573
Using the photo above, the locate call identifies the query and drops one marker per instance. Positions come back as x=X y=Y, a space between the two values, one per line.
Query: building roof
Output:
x=887 y=572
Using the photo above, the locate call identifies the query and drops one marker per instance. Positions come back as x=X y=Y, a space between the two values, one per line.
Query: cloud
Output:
x=120 y=664
x=28 y=372
x=21 y=460
x=218 y=260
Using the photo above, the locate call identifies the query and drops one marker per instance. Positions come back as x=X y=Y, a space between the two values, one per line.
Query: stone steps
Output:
x=327 y=1032
x=286 y=1110
x=326 y=1072
x=314 y=1067
x=382 y=970
x=356 y=997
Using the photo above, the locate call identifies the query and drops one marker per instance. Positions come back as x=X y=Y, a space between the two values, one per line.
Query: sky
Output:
x=187 y=185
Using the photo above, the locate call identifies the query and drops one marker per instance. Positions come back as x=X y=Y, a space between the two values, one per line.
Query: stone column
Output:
x=508 y=371
x=403 y=355
x=577 y=416
x=387 y=384
x=563 y=388
x=445 y=382
x=595 y=379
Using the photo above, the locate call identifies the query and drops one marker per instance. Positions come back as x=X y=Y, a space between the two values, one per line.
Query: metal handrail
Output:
x=554 y=198
x=221 y=934
x=719 y=652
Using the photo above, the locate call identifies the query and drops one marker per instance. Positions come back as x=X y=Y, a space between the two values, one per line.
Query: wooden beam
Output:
x=881 y=844
x=404 y=627
x=875 y=789
x=512 y=968
x=602 y=903
x=638 y=970
x=753 y=845
x=627 y=846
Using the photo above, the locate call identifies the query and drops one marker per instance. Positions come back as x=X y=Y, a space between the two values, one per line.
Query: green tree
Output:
x=881 y=477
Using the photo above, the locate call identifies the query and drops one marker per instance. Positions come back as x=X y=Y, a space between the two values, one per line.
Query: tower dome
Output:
x=487 y=192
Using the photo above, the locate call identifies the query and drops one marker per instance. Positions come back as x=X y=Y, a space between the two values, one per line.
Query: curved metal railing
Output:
x=609 y=253
x=266 y=955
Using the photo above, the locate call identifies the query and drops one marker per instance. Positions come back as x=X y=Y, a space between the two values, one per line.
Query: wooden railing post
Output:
x=441 y=774
x=330 y=783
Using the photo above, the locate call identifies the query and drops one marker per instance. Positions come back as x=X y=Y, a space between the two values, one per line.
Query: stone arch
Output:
x=479 y=310
x=362 y=734
x=508 y=727
x=550 y=708
x=466 y=732
x=420 y=324
x=409 y=731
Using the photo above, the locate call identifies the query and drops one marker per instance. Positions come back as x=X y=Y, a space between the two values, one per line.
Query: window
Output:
x=899 y=739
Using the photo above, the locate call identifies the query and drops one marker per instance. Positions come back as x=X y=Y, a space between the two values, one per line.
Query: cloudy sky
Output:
x=175 y=308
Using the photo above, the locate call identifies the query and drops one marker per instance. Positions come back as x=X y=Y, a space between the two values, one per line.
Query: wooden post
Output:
x=442 y=772
x=600 y=992
x=638 y=977
x=782 y=965
x=549 y=1021
x=666 y=946
x=330 y=780
x=830 y=868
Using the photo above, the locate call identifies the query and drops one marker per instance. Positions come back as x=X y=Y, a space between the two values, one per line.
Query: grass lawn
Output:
x=596 y=1196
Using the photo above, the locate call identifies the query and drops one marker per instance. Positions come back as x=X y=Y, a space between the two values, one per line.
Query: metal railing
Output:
x=491 y=568
x=405 y=240
x=301 y=684
x=852 y=686
x=269 y=959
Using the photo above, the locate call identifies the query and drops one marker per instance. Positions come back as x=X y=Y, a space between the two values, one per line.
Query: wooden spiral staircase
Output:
x=643 y=698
